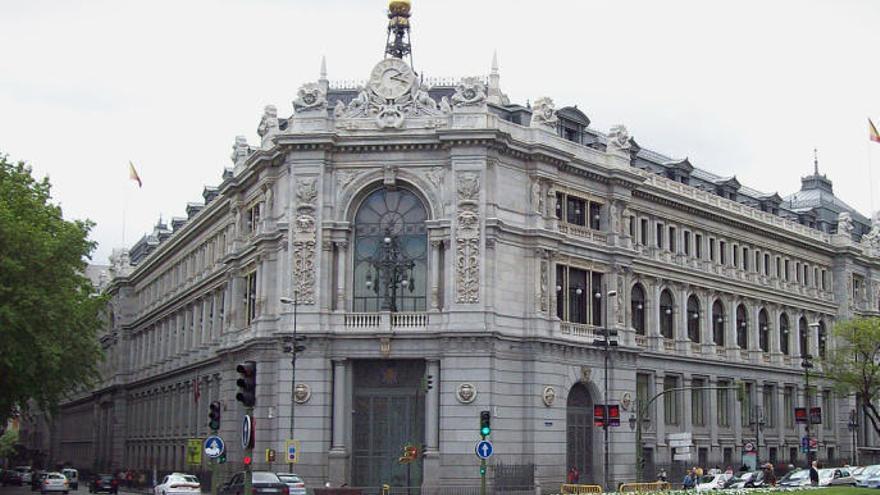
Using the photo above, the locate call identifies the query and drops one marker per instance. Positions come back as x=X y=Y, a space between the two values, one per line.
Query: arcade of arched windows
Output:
x=677 y=313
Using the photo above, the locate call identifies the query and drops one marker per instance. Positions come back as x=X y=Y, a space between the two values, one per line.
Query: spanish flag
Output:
x=133 y=175
x=872 y=132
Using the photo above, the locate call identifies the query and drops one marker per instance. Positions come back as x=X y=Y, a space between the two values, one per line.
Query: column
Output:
x=706 y=320
x=338 y=455
x=712 y=417
x=730 y=326
x=551 y=311
x=754 y=329
x=681 y=326
x=341 y=259
x=660 y=417
x=435 y=274
x=431 y=466
x=686 y=418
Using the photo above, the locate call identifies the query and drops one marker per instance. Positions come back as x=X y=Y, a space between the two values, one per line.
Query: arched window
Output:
x=784 y=334
x=823 y=348
x=718 y=323
x=693 y=309
x=666 y=319
x=763 y=331
x=803 y=336
x=742 y=327
x=637 y=309
x=390 y=252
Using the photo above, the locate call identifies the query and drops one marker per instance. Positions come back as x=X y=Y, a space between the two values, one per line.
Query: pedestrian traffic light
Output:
x=485 y=423
x=247 y=384
x=614 y=415
x=247 y=460
x=214 y=416
x=270 y=455
x=599 y=415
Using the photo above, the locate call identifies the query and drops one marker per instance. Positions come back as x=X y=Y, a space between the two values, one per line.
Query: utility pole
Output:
x=807 y=363
x=294 y=347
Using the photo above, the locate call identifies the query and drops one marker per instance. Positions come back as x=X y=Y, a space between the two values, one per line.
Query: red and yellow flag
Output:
x=133 y=175
x=872 y=132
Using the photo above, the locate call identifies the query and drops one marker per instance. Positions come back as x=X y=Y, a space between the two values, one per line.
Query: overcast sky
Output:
x=741 y=87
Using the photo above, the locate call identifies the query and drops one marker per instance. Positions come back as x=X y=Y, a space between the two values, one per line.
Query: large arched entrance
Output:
x=579 y=433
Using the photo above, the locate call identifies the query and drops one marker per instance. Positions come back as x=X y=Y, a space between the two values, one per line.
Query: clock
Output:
x=392 y=78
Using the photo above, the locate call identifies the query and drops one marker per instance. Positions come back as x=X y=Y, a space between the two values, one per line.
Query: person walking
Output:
x=814 y=474
x=688 y=482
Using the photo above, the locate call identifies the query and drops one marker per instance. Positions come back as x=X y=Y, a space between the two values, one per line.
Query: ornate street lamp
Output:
x=391 y=270
x=853 y=426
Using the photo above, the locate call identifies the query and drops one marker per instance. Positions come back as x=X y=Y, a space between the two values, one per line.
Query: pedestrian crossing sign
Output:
x=292 y=450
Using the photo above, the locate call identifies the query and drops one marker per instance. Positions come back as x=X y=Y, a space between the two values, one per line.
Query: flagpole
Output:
x=870 y=178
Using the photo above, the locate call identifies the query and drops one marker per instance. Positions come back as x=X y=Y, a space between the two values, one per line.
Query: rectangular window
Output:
x=643 y=224
x=575 y=209
x=672 y=239
x=596 y=288
x=250 y=297
x=788 y=406
x=722 y=398
x=787 y=270
x=659 y=230
x=824 y=280
x=766 y=264
x=252 y=217
x=711 y=249
x=575 y=301
x=827 y=411
x=797 y=272
x=758 y=262
x=643 y=390
x=698 y=406
x=806 y=275
x=778 y=267
x=746 y=405
x=595 y=215
x=722 y=253
x=769 y=396
x=560 y=202
x=670 y=401
x=735 y=256
x=698 y=239
x=687 y=243
x=632 y=227
x=746 y=259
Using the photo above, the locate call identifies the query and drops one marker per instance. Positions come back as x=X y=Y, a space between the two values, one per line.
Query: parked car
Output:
x=178 y=484
x=37 y=478
x=11 y=477
x=104 y=483
x=795 y=478
x=748 y=479
x=711 y=482
x=54 y=482
x=872 y=481
x=26 y=473
x=294 y=482
x=863 y=473
x=72 y=476
x=836 y=477
x=264 y=483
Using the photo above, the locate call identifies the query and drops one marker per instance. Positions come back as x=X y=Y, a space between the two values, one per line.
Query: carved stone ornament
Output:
x=466 y=393
x=626 y=401
x=269 y=123
x=240 y=150
x=845 y=223
x=310 y=96
x=302 y=393
x=392 y=94
x=469 y=92
x=467 y=240
x=305 y=239
x=549 y=396
x=871 y=240
x=586 y=374
x=385 y=347
x=543 y=281
x=544 y=114
x=537 y=198
x=618 y=138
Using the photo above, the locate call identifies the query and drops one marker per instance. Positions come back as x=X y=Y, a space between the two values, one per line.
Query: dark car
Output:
x=264 y=483
x=11 y=477
x=104 y=483
x=37 y=480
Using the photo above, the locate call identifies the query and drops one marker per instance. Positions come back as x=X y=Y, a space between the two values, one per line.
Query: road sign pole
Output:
x=482 y=476
x=249 y=452
x=212 y=465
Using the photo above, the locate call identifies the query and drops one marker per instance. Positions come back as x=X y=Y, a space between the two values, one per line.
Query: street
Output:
x=26 y=490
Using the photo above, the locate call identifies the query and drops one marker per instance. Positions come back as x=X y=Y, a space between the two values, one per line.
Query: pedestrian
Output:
x=814 y=474
x=769 y=475
x=661 y=476
x=729 y=470
x=574 y=476
x=688 y=482
x=128 y=478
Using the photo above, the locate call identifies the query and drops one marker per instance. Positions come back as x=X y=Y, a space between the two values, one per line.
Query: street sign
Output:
x=800 y=415
x=679 y=440
x=681 y=457
x=292 y=451
x=194 y=451
x=247 y=432
x=815 y=415
x=484 y=449
x=214 y=446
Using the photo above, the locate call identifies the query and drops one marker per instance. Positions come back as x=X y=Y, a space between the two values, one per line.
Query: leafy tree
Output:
x=7 y=442
x=854 y=364
x=49 y=312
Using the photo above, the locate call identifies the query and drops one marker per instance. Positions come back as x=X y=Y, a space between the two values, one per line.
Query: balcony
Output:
x=577 y=329
x=581 y=232
x=385 y=321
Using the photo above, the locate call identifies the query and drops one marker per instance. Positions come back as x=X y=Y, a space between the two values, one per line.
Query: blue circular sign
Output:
x=484 y=449
x=214 y=446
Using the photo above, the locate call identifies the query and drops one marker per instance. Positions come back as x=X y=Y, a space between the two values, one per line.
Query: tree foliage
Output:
x=49 y=312
x=854 y=364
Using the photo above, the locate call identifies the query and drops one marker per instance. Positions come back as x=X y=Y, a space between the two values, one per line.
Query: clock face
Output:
x=391 y=78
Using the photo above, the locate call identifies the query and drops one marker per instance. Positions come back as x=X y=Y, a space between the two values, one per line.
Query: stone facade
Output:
x=539 y=231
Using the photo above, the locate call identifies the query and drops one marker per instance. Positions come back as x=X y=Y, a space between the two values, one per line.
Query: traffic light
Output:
x=270 y=455
x=429 y=382
x=247 y=384
x=614 y=415
x=482 y=470
x=485 y=423
x=214 y=416
x=599 y=414
x=247 y=460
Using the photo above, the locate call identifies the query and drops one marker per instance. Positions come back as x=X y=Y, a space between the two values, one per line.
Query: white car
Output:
x=72 y=476
x=294 y=482
x=712 y=482
x=54 y=482
x=836 y=477
x=26 y=473
x=178 y=484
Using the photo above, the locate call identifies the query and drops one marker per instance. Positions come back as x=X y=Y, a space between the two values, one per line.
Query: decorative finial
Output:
x=398 y=43
x=495 y=62
x=815 y=161
x=323 y=67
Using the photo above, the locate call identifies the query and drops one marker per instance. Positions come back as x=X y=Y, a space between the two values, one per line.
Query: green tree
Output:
x=49 y=311
x=854 y=364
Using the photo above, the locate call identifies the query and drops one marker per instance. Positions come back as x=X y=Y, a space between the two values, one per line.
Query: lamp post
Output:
x=853 y=426
x=293 y=347
x=606 y=343
x=394 y=270
x=807 y=364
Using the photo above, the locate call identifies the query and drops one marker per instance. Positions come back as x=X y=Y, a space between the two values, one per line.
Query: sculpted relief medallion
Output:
x=466 y=393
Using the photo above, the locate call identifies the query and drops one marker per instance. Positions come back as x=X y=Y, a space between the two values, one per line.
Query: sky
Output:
x=745 y=88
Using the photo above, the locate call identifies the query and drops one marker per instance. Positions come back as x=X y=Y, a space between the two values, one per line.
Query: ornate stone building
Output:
x=451 y=252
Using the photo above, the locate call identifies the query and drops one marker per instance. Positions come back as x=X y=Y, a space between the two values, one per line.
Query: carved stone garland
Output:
x=304 y=240
x=467 y=240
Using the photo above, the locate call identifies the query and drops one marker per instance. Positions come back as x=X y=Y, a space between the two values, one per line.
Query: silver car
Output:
x=54 y=482
x=836 y=477
x=295 y=482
